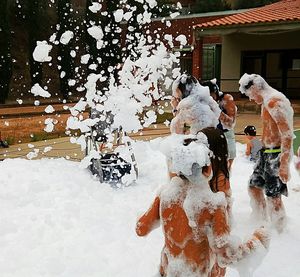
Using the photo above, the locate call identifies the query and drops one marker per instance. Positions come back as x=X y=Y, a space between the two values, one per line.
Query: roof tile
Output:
x=284 y=10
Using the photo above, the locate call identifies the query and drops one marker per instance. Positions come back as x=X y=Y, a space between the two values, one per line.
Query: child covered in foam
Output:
x=193 y=218
x=193 y=107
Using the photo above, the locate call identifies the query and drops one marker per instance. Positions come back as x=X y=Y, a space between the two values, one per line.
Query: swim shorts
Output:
x=265 y=174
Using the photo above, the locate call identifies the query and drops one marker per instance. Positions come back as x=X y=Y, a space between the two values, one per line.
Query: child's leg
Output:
x=258 y=202
x=277 y=212
x=217 y=271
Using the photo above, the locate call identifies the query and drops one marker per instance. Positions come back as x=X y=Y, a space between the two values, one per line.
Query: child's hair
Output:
x=250 y=131
x=185 y=84
x=218 y=145
x=213 y=88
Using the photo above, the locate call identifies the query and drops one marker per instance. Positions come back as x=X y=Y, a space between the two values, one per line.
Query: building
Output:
x=261 y=40
x=193 y=55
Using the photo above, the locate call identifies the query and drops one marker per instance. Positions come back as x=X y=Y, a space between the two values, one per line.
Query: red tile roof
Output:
x=282 y=11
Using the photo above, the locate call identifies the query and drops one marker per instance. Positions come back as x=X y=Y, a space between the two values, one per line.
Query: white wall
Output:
x=234 y=44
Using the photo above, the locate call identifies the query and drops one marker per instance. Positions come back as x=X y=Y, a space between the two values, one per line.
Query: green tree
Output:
x=164 y=8
x=134 y=29
x=35 y=17
x=245 y=4
x=107 y=55
x=110 y=53
x=5 y=56
x=202 y=6
x=65 y=61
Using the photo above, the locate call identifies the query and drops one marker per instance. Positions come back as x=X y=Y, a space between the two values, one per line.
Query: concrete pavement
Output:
x=62 y=147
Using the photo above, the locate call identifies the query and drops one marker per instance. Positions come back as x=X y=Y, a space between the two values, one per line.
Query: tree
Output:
x=202 y=6
x=105 y=53
x=65 y=62
x=110 y=53
x=244 y=4
x=35 y=19
x=5 y=56
x=164 y=8
x=133 y=28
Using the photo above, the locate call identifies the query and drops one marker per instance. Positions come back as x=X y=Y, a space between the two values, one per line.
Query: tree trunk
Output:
x=65 y=60
x=5 y=56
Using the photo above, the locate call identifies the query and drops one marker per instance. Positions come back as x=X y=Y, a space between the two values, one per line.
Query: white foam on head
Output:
x=257 y=80
x=183 y=156
x=193 y=88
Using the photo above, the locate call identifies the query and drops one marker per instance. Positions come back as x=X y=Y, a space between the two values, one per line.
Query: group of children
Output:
x=194 y=215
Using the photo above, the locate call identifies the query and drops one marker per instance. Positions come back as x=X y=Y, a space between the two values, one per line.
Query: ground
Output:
x=57 y=220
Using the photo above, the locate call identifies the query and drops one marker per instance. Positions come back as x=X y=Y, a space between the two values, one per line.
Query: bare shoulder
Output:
x=279 y=107
x=278 y=103
x=228 y=97
x=274 y=102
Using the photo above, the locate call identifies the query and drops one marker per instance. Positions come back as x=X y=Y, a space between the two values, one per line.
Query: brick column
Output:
x=198 y=57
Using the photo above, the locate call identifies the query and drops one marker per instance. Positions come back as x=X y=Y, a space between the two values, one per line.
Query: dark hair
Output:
x=250 y=130
x=218 y=145
x=185 y=87
x=213 y=88
x=187 y=141
x=250 y=83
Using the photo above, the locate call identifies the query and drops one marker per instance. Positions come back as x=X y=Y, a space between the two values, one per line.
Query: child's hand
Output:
x=263 y=235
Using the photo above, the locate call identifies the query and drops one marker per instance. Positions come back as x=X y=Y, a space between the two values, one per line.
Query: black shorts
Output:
x=265 y=174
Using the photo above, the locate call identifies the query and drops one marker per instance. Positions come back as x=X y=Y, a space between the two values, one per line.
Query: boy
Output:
x=193 y=218
x=271 y=172
x=254 y=145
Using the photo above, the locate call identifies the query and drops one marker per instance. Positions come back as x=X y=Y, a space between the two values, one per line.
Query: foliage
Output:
x=5 y=61
x=164 y=8
x=45 y=136
x=32 y=20
x=65 y=60
x=245 y=4
x=34 y=14
x=202 y=6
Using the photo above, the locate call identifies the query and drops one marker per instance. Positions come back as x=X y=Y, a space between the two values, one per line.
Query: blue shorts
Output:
x=265 y=174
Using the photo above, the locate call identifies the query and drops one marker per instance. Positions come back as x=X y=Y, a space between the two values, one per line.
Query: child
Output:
x=272 y=170
x=193 y=108
x=193 y=218
x=254 y=145
x=227 y=117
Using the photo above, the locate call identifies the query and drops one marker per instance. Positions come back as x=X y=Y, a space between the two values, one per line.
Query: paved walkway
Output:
x=26 y=121
x=61 y=147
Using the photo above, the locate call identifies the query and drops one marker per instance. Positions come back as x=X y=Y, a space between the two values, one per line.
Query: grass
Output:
x=161 y=118
x=10 y=140
x=45 y=136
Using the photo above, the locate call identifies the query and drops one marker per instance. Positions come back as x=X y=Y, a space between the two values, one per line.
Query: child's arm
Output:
x=280 y=114
x=228 y=253
x=228 y=119
x=248 y=149
x=149 y=220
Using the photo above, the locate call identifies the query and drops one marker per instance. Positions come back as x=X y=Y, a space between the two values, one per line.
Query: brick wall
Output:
x=26 y=129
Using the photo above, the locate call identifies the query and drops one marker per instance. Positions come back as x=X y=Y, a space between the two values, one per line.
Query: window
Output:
x=211 y=62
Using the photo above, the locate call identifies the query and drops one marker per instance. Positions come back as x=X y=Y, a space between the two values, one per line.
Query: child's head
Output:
x=184 y=85
x=250 y=131
x=189 y=156
x=214 y=90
